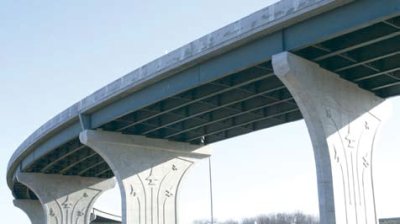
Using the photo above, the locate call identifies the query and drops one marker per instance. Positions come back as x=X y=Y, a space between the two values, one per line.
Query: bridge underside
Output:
x=247 y=100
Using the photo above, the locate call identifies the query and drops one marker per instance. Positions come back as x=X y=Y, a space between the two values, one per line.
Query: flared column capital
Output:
x=65 y=199
x=343 y=120
x=149 y=172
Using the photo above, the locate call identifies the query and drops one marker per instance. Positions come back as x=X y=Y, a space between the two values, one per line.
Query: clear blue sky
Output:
x=53 y=53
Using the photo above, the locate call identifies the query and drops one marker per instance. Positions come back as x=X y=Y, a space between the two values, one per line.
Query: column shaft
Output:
x=342 y=120
x=148 y=172
x=32 y=208
x=65 y=199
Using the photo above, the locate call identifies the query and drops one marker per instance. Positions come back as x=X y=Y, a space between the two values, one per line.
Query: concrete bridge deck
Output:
x=222 y=85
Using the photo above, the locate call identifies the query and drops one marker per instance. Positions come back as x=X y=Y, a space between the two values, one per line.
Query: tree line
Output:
x=279 y=218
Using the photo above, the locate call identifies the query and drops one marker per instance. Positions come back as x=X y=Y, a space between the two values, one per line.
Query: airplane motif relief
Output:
x=365 y=160
x=366 y=125
x=52 y=213
x=152 y=180
x=168 y=193
x=67 y=204
x=81 y=212
x=328 y=113
x=336 y=156
x=132 y=192
x=350 y=139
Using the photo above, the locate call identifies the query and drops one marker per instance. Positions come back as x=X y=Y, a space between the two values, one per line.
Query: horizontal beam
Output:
x=60 y=158
x=221 y=119
x=347 y=18
x=373 y=75
x=273 y=115
x=82 y=157
x=198 y=99
x=234 y=61
x=354 y=16
x=357 y=46
x=50 y=144
x=366 y=61
x=224 y=104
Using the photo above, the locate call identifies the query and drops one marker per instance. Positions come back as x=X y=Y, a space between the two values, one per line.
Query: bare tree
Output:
x=279 y=218
x=230 y=222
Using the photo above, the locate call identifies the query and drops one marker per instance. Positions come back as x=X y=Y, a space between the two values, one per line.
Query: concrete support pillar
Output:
x=32 y=208
x=342 y=120
x=148 y=172
x=65 y=199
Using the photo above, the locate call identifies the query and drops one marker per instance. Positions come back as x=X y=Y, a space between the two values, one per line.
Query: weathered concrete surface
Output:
x=343 y=121
x=148 y=172
x=262 y=22
x=33 y=209
x=66 y=199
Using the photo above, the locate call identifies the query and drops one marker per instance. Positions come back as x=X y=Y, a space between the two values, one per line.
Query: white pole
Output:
x=211 y=191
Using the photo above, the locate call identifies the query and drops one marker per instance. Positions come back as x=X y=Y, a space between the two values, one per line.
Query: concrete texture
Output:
x=66 y=199
x=343 y=121
x=148 y=172
x=262 y=22
x=33 y=209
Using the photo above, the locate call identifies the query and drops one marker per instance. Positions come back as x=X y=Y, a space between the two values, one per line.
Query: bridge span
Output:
x=330 y=62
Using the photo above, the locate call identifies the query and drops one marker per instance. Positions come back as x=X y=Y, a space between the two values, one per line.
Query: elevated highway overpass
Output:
x=241 y=78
